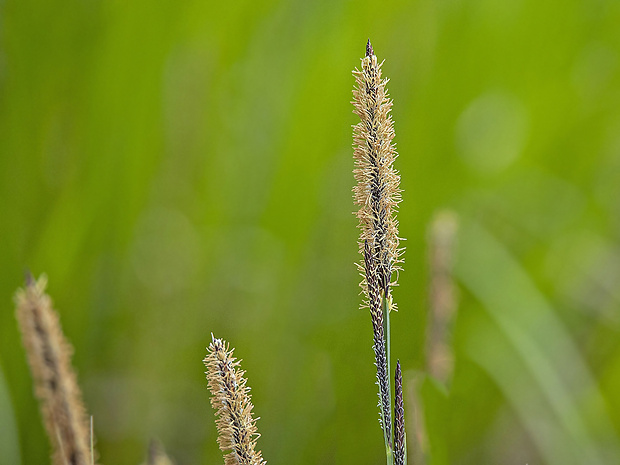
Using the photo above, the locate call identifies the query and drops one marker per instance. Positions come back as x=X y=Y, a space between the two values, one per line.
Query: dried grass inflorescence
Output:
x=377 y=191
x=232 y=402
x=49 y=356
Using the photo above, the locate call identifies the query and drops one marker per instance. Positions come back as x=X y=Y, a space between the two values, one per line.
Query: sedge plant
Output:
x=378 y=194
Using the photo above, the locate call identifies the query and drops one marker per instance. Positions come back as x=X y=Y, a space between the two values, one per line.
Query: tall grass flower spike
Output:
x=49 y=357
x=231 y=400
x=377 y=194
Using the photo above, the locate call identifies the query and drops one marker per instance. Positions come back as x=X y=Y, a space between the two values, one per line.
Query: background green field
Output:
x=182 y=168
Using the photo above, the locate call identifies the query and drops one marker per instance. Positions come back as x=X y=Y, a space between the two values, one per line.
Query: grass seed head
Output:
x=377 y=192
x=49 y=357
x=232 y=402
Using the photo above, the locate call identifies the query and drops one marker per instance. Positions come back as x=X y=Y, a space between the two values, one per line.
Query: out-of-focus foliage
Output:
x=182 y=168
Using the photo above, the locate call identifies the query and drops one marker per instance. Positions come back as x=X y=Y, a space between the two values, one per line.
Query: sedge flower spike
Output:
x=49 y=357
x=231 y=400
x=377 y=191
x=400 y=443
x=379 y=342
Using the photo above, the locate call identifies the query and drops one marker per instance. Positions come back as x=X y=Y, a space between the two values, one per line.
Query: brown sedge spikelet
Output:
x=49 y=357
x=376 y=313
x=232 y=402
x=377 y=191
x=400 y=451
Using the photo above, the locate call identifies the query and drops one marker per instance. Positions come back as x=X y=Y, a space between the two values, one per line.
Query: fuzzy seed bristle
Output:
x=232 y=402
x=49 y=357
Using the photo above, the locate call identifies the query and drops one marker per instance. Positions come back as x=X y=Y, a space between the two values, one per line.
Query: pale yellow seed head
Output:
x=232 y=402
x=49 y=357
x=377 y=192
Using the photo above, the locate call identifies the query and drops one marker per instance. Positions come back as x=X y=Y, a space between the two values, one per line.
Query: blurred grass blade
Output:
x=442 y=298
x=9 y=439
x=541 y=369
x=157 y=455
x=416 y=424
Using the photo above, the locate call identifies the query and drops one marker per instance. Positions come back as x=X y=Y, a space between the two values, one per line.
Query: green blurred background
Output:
x=182 y=168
